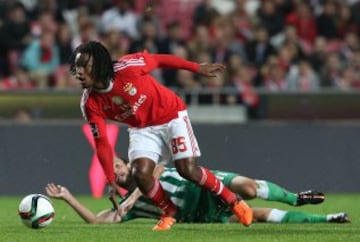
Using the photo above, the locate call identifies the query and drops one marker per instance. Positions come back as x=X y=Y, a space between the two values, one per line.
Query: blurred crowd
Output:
x=275 y=45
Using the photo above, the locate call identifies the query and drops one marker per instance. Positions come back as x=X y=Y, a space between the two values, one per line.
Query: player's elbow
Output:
x=91 y=222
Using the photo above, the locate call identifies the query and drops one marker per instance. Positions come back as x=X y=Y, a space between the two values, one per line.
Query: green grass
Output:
x=67 y=226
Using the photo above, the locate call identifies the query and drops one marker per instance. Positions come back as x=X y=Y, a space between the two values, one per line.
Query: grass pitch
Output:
x=67 y=226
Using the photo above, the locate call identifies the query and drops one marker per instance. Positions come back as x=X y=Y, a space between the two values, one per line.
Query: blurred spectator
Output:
x=289 y=55
x=349 y=47
x=63 y=41
x=270 y=18
x=326 y=22
x=203 y=57
x=302 y=77
x=45 y=22
x=14 y=36
x=275 y=80
x=243 y=81
x=148 y=15
x=186 y=79
x=169 y=76
x=346 y=22
x=318 y=55
x=304 y=21
x=122 y=17
x=23 y=116
x=62 y=78
x=355 y=64
x=242 y=21
x=272 y=75
x=356 y=60
x=75 y=17
x=260 y=48
x=214 y=84
x=116 y=43
x=234 y=63
x=204 y=13
x=347 y=80
x=290 y=37
x=53 y=7
x=19 y=80
x=95 y=10
x=331 y=71
x=169 y=45
x=269 y=37
x=3 y=11
x=286 y=6
x=41 y=58
x=223 y=42
x=173 y=38
x=200 y=42
x=150 y=42
x=149 y=39
x=87 y=32
x=228 y=30
x=355 y=10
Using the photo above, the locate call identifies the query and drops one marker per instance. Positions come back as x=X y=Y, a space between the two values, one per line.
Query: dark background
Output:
x=298 y=156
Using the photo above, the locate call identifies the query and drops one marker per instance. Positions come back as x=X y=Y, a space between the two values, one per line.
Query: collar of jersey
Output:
x=108 y=89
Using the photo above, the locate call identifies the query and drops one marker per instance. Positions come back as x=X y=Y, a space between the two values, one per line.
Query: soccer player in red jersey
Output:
x=159 y=126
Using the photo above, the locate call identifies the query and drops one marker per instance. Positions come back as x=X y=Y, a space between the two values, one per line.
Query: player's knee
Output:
x=142 y=172
x=187 y=169
x=244 y=186
x=249 y=189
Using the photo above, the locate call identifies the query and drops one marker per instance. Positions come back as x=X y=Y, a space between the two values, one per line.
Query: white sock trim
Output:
x=262 y=189
x=276 y=215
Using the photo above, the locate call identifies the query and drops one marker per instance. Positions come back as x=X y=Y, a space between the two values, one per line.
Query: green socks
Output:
x=280 y=216
x=272 y=192
x=301 y=217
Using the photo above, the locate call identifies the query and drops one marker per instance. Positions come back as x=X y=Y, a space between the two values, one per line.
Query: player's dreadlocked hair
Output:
x=102 y=68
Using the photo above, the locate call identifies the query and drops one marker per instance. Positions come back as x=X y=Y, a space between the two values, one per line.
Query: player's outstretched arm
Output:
x=60 y=192
x=172 y=61
x=128 y=204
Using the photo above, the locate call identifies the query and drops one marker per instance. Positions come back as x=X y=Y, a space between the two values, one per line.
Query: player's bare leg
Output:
x=188 y=169
x=244 y=186
x=142 y=172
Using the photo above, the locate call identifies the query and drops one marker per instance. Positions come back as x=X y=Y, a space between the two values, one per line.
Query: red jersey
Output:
x=134 y=97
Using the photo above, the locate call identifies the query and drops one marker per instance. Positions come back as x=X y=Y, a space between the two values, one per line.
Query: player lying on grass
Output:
x=198 y=205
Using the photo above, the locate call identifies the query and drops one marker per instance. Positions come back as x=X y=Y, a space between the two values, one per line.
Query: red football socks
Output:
x=209 y=181
x=161 y=199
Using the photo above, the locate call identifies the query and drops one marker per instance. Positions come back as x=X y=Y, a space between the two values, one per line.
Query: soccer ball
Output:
x=36 y=211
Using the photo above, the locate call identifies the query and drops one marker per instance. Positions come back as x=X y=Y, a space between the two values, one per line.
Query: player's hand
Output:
x=211 y=70
x=57 y=191
x=126 y=206
x=114 y=192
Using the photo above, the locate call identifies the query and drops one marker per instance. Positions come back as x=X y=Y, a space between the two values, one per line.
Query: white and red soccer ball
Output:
x=36 y=211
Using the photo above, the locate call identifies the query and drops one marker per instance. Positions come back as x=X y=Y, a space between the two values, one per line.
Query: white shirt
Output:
x=112 y=19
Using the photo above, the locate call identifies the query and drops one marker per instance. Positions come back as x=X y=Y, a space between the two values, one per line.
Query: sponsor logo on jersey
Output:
x=117 y=100
x=131 y=110
x=130 y=89
x=127 y=87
